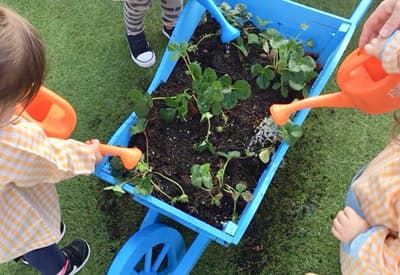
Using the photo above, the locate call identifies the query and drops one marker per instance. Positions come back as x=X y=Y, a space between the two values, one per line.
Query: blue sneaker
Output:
x=140 y=51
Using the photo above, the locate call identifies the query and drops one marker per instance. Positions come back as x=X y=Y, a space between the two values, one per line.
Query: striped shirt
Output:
x=30 y=165
x=377 y=192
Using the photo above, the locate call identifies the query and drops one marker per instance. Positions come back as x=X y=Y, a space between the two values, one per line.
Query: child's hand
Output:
x=347 y=225
x=375 y=46
x=94 y=145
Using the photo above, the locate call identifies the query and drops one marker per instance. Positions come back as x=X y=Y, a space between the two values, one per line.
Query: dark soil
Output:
x=170 y=150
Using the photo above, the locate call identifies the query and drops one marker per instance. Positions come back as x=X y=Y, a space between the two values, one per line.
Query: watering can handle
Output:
x=356 y=59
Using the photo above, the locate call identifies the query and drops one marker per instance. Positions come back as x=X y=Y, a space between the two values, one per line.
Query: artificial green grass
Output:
x=89 y=65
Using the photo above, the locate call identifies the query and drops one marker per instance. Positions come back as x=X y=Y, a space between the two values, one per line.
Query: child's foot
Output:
x=375 y=47
x=140 y=50
x=77 y=253
x=167 y=31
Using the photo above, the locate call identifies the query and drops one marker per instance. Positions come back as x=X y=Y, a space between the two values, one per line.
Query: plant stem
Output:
x=158 y=188
x=204 y=37
x=172 y=181
x=231 y=190
x=147 y=148
x=208 y=129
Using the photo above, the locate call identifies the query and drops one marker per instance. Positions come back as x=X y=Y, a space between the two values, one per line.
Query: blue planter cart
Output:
x=160 y=249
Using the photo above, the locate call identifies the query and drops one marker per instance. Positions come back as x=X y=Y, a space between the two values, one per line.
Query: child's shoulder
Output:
x=18 y=129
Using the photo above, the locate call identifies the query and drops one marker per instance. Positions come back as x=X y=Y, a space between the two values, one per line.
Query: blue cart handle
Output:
x=360 y=10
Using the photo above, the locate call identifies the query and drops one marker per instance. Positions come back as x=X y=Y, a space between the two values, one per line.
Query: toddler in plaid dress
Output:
x=30 y=162
x=368 y=227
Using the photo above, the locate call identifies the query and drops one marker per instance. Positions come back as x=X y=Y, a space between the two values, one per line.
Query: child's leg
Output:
x=48 y=260
x=51 y=260
x=134 y=11
x=171 y=9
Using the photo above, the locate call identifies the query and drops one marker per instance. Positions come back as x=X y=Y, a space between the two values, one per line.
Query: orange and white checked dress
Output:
x=375 y=196
x=30 y=165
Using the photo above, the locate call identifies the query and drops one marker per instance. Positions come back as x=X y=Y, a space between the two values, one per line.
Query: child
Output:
x=134 y=11
x=368 y=226
x=30 y=162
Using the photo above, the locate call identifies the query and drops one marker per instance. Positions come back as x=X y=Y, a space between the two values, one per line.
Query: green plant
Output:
x=202 y=178
x=240 y=191
x=286 y=59
x=142 y=178
x=291 y=132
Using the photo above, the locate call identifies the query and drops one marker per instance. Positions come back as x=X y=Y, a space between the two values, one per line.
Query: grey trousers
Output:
x=134 y=11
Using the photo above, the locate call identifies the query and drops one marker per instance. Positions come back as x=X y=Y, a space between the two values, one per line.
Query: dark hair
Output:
x=22 y=59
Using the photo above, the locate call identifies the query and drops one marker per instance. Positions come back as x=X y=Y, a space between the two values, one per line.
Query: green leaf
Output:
x=168 y=114
x=216 y=108
x=201 y=176
x=210 y=74
x=195 y=70
x=264 y=155
x=310 y=44
x=233 y=154
x=265 y=47
x=230 y=101
x=242 y=89
x=241 y=46
x=290 y=132
x=142 y=167
x=210 y=147
x=216 y=201
x=173 y=46
x=143 y=185
x=296 y=86
x=139 y=126
x=256 y=69
x=182 y=198
x=116 y=189
x=262 y=82
x=207 y=116
x=220 y=175
x=183 y=46
x=225 y=80
x=276 y=86
x=252 y=38
x=142 y=104
x=296 y=131
x=284 y=91
x=241 y=187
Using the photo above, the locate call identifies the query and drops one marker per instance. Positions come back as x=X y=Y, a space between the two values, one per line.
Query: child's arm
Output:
x=29 y=157
x=377 y=247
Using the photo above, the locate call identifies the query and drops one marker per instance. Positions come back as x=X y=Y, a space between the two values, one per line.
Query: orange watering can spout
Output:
x=281 y=112
x=129 y=156
x=364 y=85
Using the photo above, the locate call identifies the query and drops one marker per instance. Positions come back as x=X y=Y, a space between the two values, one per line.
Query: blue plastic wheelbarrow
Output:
x=157 y=248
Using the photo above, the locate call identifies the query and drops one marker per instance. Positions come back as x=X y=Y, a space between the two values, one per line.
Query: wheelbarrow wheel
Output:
x=155 y=249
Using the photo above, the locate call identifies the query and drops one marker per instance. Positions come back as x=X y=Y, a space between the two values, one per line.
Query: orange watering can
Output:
x=363 y=84
x=58 y=119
